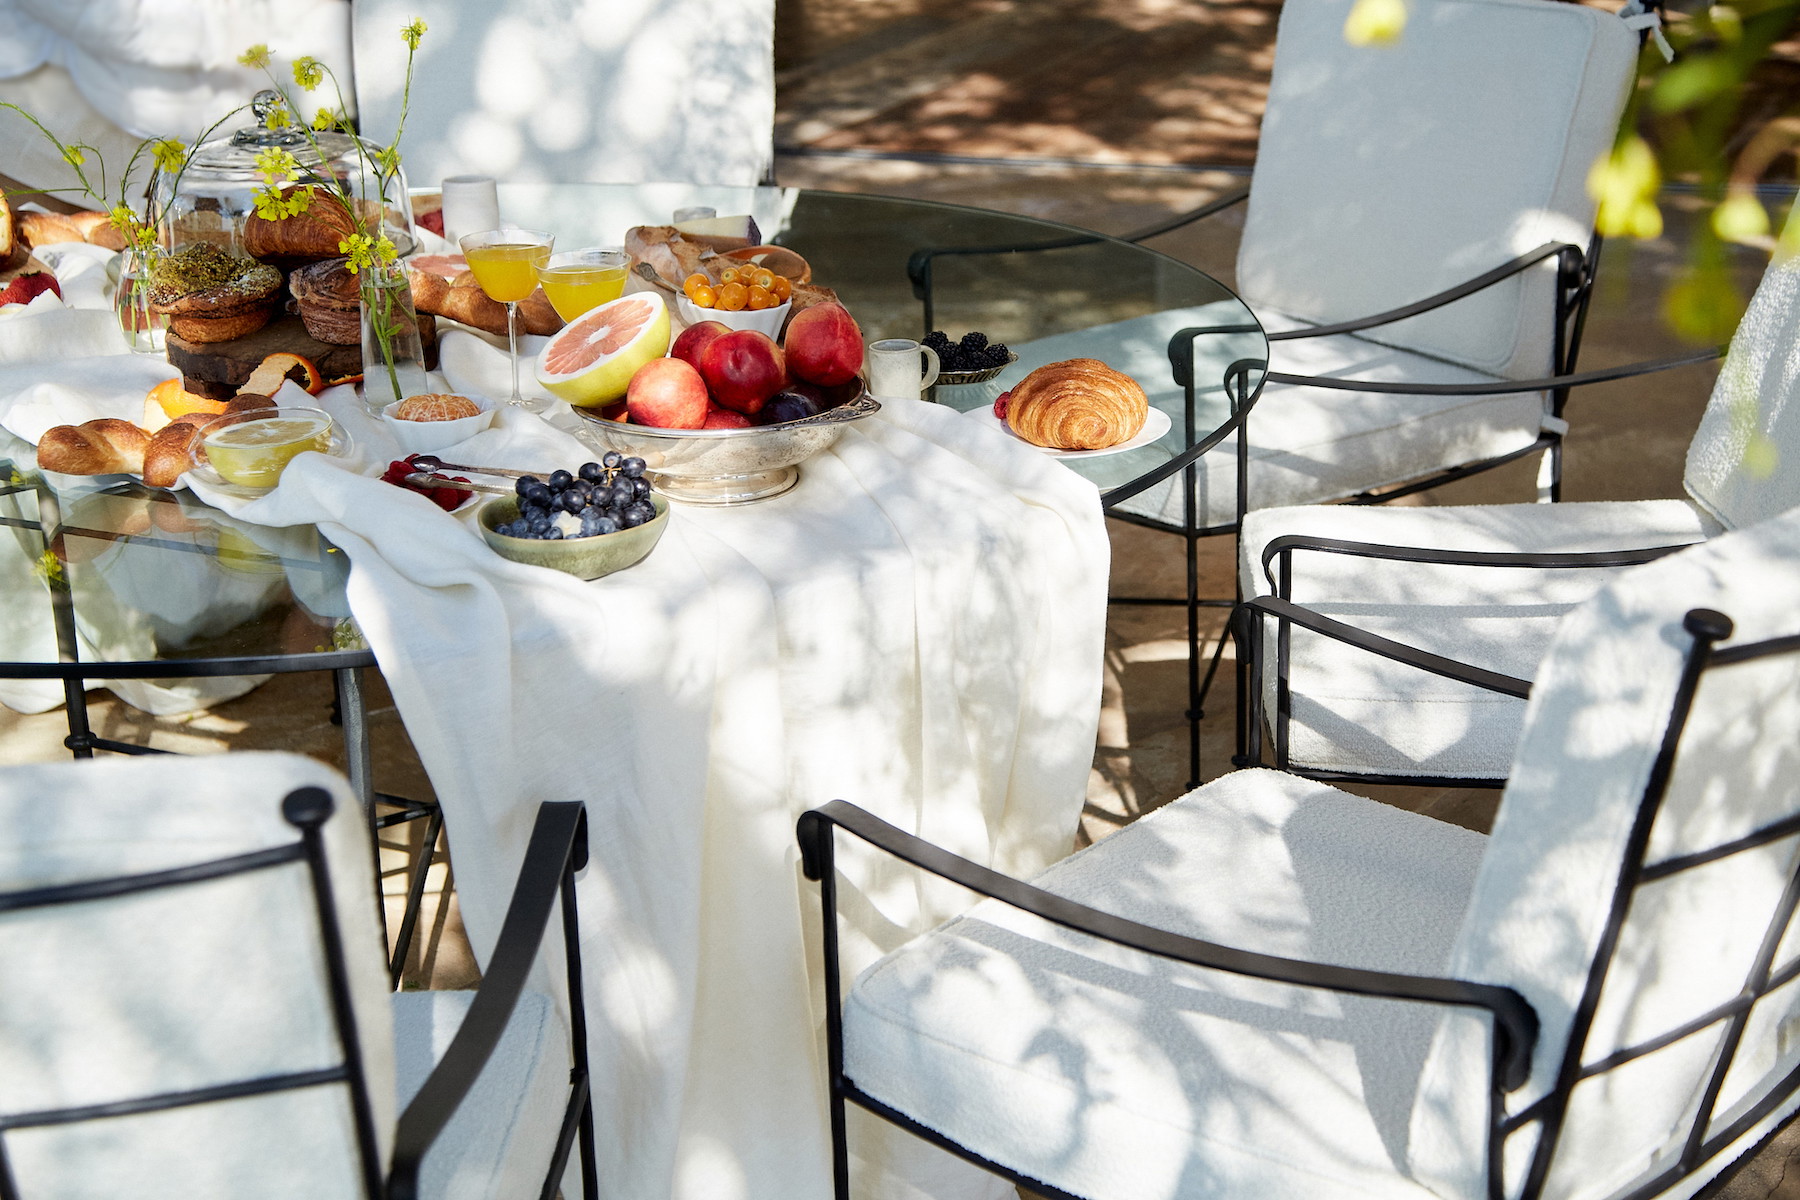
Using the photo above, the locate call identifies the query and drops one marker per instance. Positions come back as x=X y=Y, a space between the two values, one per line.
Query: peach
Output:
x=743 y=369
x=724 y=418
x=696 y=338
x=824 y=345
x=668 y=394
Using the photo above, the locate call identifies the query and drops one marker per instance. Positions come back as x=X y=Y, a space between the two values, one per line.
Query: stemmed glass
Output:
x=578 y=281
x=505 y=263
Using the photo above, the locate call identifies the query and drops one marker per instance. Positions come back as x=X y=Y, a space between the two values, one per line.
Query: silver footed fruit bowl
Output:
x=725 y=466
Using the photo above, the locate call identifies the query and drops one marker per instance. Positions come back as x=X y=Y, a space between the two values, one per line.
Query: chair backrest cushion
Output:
x=1743 y=465
x=559 y=91
x=1593 y=727
x=1385 y=174
x=182 y=988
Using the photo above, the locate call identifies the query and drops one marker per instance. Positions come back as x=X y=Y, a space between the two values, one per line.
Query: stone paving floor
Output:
x=1108 y=114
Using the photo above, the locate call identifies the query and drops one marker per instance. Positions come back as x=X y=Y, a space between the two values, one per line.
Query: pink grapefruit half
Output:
x=591 y=361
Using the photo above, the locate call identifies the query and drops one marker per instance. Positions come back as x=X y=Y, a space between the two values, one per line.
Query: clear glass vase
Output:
x=145 y=331
x=392 y=353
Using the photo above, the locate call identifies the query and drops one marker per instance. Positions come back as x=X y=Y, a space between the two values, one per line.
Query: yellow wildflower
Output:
x=412 y=33
x=1375 y=22
x=73 y=156
x=365 y=251
x=170 y=154
x=309 y=73
x=255 y=56
x=1625 y=183
x=324 y=119
x=1740 y=217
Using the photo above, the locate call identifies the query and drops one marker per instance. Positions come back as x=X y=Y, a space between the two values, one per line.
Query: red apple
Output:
x=724 y=418
x=743 y=369
x=696 y=338
x=667 y=393
x=824 y=345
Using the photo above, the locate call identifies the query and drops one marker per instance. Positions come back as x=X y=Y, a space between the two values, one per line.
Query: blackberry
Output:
x=974 y=341
x=938 y=340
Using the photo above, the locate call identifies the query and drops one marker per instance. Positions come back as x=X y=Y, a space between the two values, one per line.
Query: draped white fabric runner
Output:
x=917 y=627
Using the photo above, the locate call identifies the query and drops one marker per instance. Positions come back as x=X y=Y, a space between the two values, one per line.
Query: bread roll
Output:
x=46 y=229
x=106 y=446
x=462 y=300
x=171 y=452
x=1077 y=404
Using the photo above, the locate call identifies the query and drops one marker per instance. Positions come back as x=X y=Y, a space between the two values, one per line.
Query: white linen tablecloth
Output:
x=917 y=627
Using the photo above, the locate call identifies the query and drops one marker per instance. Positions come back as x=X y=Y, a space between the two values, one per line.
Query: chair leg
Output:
x=1193 y=657
x=415 y=896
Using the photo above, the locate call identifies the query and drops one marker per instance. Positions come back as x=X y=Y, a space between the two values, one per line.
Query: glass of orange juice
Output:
x=505 y=263
x=576 y=281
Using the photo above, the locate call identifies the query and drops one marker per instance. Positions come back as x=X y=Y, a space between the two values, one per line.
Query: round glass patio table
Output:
x=1048 y=291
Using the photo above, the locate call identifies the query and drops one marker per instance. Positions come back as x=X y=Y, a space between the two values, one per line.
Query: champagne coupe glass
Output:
x=505 y=263
x=577 y=281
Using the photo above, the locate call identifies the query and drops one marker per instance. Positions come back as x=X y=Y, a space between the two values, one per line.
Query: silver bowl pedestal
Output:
x=725 y=466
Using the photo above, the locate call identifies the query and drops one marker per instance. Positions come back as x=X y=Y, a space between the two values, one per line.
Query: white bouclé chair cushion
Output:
x=1357 y=712
x=1593 y=728
x=1116 y=1075
x=1385 y=174
x=504 y=1133
x=182 y=988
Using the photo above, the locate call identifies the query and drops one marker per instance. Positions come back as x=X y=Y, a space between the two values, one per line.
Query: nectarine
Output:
x=668 y=394
x=824 y=345
x=743 y=369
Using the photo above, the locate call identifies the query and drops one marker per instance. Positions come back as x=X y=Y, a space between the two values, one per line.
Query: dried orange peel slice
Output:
x=276 y=368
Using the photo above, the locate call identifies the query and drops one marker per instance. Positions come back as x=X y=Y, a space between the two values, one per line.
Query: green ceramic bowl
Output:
x=584 y=558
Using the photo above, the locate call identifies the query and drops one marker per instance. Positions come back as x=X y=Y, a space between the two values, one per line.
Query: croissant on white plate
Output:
x=1077 y=404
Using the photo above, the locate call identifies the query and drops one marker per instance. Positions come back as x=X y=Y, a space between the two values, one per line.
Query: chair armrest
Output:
x=1515 y=1024
x=1498 y=387
x=1217 y=204
x=558 y=847
x=1437 y=300
x=1436 y=664
x=1462 y=558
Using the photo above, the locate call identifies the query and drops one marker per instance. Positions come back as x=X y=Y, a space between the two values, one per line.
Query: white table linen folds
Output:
x=918 y=626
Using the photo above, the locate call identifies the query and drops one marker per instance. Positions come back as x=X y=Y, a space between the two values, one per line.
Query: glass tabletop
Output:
x=1049 y=291
x=158 y=585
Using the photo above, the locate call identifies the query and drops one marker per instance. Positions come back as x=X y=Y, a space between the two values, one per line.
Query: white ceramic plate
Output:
x=1155 y=425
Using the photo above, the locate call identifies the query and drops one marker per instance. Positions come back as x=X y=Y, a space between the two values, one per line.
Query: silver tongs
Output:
x=431 y=462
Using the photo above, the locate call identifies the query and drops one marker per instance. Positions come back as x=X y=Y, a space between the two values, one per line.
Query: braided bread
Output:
x=105 y=446
x=1077 y=404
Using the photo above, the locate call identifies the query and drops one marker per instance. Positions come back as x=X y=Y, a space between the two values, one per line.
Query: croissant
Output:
x=1077 y=404
x=106 y=446
x=304 y=237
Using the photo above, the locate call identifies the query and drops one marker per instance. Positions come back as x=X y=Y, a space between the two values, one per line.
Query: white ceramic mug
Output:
x=471 y=205
x=895 y=369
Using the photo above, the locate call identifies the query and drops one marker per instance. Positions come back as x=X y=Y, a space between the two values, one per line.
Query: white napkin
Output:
x=477 y=362
x=918 y=626
x=80 y=270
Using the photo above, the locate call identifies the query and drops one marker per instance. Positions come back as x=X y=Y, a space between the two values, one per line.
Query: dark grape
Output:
x=611 y=460
x=640 y=488
x=787 y=406
x=560 y=480
x=593 y=472
x=604 y=524
x=571 y=501
x=645 y=510
x=632 y=468
x=631 y=518
x=523 y=487
x=537 y=493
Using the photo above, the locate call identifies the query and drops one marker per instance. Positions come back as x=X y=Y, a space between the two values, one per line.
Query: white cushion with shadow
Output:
x=1112 y=1074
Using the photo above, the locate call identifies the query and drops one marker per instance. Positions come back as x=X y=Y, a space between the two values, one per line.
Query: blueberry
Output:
x=632 y=468
x=560 y=480
x=537 y=493
x=523 y=487
x=593 y=472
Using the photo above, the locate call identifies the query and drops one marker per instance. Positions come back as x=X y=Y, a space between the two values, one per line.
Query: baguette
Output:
x=45 y=229
x=462 y=300
x=106 y=446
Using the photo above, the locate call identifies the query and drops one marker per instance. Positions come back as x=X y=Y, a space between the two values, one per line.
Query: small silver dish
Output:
x=725 y=466
x=955 y=378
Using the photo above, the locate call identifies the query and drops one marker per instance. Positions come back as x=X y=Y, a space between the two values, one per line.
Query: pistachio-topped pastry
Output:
x=211 y=296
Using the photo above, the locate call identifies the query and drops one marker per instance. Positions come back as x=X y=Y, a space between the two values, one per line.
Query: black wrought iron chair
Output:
x=1273 y=988
x=1398 y=645
x=195 y=1001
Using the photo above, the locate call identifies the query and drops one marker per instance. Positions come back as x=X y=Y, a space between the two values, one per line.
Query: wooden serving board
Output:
x=217 y=369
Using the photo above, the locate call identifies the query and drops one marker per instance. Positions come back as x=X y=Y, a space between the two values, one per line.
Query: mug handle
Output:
x=931 y=372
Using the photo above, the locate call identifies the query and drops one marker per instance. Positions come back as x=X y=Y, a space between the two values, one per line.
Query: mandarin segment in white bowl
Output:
x=428 y=437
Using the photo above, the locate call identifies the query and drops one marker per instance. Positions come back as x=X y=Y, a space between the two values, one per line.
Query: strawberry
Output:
x=27 y=288
x=1002 y=403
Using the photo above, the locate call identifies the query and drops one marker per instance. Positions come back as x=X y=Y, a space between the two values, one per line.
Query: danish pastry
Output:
x=1077 y=404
